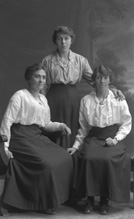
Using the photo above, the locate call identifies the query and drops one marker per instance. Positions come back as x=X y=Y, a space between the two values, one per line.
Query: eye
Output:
x=98 y=77
x=106 y=77
x=58 y=38
x=67 y=38
x=36 y=76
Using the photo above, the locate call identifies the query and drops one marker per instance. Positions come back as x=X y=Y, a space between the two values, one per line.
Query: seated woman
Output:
x=103 y=163
x=39 y=174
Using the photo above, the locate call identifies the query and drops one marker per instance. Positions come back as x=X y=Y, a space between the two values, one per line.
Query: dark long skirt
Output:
x=64 y=102
x=40 y=174
x=103 y=170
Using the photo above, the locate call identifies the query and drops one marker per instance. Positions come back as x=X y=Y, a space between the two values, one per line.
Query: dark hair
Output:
x=31 y=70
x=63 y=30
x=103 y=70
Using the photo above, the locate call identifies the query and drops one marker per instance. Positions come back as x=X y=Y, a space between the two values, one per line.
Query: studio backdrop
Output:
x=104 y=34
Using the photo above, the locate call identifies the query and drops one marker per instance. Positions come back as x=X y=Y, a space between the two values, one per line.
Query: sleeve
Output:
x=126 y=121
x=9 y=117
x=84 y=127
x=87 y=72
x=53 y=126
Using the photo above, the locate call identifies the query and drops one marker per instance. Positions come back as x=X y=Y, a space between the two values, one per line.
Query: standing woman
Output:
x=39 y=173
x=64 y=70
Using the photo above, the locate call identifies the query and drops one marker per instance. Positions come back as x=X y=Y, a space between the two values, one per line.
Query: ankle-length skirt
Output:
x=64 y=102
x=40 y=174
x=102 y=170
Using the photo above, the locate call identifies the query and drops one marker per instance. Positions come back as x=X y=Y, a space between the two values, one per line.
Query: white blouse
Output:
x=71 y=73
x=24 y=109
x=112 y=111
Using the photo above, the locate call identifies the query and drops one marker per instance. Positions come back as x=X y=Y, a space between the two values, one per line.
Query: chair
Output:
x=4 y=159
x=4 y=162
x=3 y=165
x=132 y=178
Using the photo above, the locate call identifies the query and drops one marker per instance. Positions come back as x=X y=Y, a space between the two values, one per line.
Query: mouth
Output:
x=64 y=47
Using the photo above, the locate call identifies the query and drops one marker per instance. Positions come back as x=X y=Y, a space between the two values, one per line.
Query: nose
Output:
x=63 y=40
x=102 y=79
x=42 y=79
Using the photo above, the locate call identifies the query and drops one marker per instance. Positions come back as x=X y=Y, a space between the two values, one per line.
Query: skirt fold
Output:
x=40 y=174
x=102 y=170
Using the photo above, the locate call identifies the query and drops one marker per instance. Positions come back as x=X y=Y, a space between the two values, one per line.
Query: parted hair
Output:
x=30 y=70
x=103 y=70
x=63 y=30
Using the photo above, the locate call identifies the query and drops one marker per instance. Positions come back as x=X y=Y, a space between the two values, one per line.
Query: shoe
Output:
x=50 y=211
x=88 y=208
x=104 y=209
x=72 y=203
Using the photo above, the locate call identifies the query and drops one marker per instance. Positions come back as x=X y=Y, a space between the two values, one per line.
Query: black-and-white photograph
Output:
x=67 y=109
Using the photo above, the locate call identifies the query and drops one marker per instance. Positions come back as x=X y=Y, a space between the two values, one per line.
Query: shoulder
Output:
x=116 y=101
x=76 y=56
x=88 y=98
x=49 y=57
x=18 y=94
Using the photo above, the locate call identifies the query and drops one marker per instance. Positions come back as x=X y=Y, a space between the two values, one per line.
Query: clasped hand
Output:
x=111 y=141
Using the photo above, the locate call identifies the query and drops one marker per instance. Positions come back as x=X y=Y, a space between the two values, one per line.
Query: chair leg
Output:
x=1 y=214
x=133 y=190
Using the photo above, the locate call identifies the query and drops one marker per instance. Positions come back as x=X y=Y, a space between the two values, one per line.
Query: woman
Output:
x=64 y=70
x=103 y=164
x=35 y=179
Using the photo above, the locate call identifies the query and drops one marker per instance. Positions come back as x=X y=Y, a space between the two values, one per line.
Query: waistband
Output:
x=103 y=133
x=63 y=85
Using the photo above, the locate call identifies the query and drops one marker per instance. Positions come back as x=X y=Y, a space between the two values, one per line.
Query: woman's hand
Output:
x=71 y=150
x=118 y=94
x=111 y=141
x=8 y=153
x=65 y=129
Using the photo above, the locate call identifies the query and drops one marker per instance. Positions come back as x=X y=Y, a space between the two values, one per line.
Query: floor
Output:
x=117 y=211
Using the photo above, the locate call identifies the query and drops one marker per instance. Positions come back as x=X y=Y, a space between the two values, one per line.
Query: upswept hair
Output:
x=103 y=70
x=63 y=30
x=30 y=70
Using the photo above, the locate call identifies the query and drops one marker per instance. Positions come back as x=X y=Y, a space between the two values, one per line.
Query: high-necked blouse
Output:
x=24 y=109
x=95 y=114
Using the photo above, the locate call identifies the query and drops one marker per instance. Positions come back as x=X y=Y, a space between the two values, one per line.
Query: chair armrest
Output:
x=132 y=162
x=132 y=157
x=3 y=156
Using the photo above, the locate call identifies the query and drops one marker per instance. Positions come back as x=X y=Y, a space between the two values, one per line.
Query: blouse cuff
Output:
x=6 y=146
x=76 y=145
x=118 y=137
x=61 y=126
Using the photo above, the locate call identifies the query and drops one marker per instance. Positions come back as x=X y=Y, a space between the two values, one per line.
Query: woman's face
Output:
x=38 y=80
x=102 y=81
x=63 y=42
